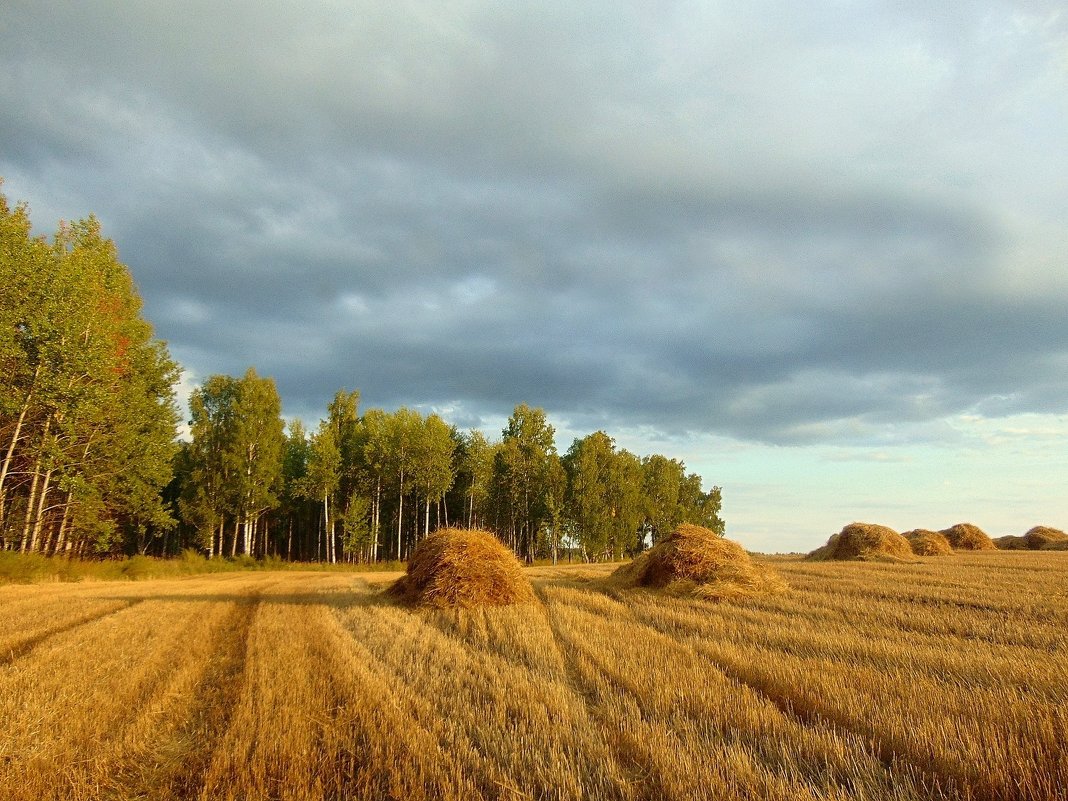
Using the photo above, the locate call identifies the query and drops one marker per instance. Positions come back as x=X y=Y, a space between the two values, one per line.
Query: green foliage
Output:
x=604 y=499
x=234 y=467
x=523 y=466
x=87 y=412
x=356 y=525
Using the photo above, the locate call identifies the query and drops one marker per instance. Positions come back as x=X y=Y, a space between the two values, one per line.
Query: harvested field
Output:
x=933 y=679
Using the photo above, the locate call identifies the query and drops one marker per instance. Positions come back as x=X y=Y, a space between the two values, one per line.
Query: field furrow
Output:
x=84 y=714
x=700 y=734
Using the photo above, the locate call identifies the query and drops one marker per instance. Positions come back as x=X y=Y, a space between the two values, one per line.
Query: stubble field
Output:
x=942 y=679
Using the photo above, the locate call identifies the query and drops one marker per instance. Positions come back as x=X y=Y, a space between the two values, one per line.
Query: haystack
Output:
x=463 y=568
x=966 y=537
x=927 y=543
x=695 y=560
x=864 y=541
x=1010 y=542
x=1045 y=538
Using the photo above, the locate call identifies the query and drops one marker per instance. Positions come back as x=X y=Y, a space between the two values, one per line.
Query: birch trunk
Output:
x=38 y=522
x=326 y=523
x=377 y=519
x=27 y=521
x=15 y=437
x=400 y=516
x=61 y=536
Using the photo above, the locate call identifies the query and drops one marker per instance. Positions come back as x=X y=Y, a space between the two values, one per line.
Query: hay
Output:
x=1044 y=538
x=927 y=543
x=462 y=568
x=824 y=552
x=966 y=537
x=696 y=561
x=864 y=541
x=1010 y=543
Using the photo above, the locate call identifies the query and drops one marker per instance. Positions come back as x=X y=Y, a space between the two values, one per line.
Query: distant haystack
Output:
x=864 y=541
x=1044 y=538
x=928 y=543
x=1010 y=543
x=824 y=552
x=966 y=537
x=463 y=568
x=696 y=560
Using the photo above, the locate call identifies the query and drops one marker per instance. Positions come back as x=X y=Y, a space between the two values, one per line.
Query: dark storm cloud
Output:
x=777 y=224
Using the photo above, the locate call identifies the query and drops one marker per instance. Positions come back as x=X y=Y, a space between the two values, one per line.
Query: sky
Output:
x=817 y=250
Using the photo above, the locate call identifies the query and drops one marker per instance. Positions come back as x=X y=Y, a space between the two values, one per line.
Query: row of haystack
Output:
x=1039 y=538
x=867 y=541
x=464 y=568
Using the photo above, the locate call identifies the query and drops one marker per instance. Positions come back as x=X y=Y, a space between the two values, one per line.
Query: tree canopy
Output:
x=87 y=410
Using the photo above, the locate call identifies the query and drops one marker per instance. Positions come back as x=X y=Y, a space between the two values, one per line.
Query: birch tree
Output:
x=521 y=470
x=87 y=412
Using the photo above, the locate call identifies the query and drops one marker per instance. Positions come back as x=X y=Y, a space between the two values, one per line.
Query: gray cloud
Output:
x=776 y=223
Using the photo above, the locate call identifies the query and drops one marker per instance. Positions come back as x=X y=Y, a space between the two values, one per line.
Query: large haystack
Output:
x=927 y=543
x=966 y=537
x=1045 y=538
x=695 y=560
x=864 y=541
x=463 y=568
x=1010 y=543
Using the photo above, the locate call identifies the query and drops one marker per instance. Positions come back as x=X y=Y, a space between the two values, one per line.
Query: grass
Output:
x=942 y=678
x=29 y=568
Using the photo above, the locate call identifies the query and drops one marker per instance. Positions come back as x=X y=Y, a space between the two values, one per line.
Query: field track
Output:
x=942 y=679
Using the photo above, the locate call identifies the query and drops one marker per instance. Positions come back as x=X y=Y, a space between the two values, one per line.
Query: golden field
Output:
x=940 y=679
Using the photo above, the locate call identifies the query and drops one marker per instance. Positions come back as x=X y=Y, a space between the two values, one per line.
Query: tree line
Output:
x=368 y=486
x=90 y=460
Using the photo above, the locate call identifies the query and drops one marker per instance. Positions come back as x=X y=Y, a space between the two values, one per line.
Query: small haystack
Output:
x=966 y=537
x=927 y=543
x=864 y=541
x=695 y=560
x=462 y=568
x=1044 y=538
x=1010 y=542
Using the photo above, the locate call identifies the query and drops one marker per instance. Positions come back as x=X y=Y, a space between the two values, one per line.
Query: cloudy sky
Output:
x=818 y=250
